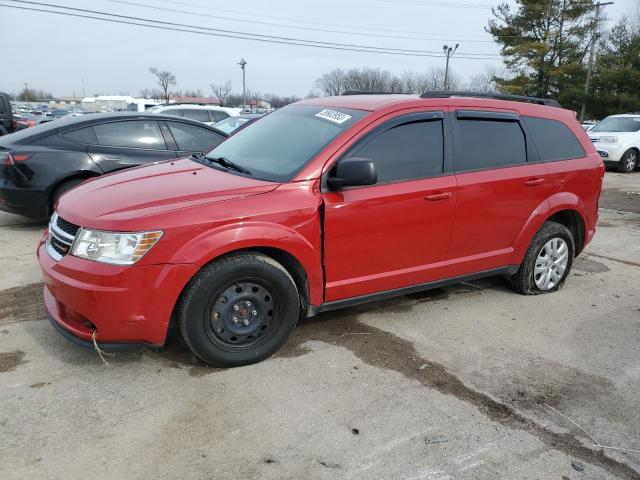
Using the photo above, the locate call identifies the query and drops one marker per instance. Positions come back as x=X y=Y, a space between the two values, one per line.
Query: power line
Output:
x=230 y=33
x=298 y=27
x=308 y=22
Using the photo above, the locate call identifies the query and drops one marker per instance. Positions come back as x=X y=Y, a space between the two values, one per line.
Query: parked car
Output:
x=233 y=124
x=617 y=140
x=322 y=204
x=588 y=125
x=7 y=120
x=39 y=164
x=208 y=114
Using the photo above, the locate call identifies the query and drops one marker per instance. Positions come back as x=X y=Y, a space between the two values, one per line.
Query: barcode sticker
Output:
x=333 y=116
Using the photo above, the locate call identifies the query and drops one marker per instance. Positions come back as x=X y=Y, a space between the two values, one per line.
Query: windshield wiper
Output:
x=225 y=162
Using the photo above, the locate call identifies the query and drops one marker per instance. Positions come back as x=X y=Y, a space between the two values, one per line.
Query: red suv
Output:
x=322 y=204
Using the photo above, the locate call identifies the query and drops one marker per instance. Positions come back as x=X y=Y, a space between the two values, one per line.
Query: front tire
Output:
x=239 y=310
x=63 y=188
x=547 y=262
x=628 y=162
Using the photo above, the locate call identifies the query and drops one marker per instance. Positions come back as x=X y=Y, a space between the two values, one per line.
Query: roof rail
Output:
x=499 y=96
x=358 y=92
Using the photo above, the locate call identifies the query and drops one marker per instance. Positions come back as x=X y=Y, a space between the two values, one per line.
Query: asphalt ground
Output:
x=469 y=381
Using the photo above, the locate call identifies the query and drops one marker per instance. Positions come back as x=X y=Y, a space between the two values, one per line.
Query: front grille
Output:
x=67 y=227
x=61 y=237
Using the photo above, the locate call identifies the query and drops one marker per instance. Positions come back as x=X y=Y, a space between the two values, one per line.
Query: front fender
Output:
x=211 y=244
x=555 y=203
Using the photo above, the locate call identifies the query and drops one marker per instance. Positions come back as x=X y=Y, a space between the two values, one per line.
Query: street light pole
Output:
x=448 y=51
x=592 y=53
x=243 y=64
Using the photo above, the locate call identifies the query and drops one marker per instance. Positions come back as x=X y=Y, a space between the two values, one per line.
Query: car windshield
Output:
x=281 y=143
x=618 y=124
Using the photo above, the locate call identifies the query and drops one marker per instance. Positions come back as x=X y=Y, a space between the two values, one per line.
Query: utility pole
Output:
x=26 y=91
x=592 y=53
x=243 y=64
x=448 y=51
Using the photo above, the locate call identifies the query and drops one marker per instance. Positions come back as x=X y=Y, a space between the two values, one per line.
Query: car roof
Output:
x=190 y=105
x=69 y=122
x=377 y=102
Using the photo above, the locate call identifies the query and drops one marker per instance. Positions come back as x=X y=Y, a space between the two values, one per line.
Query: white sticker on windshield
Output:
x=333 y=115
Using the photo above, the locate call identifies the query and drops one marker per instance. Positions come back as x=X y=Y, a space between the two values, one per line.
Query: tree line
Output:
x=545 y=45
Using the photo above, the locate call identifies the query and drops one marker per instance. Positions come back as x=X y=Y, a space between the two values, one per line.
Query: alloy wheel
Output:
x=551 y=264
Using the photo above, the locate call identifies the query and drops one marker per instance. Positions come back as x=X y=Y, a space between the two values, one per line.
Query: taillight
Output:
x=8 y=159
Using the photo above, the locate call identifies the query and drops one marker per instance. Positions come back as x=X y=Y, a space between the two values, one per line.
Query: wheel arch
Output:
x=565 y=208
x=293 y=251
x=79 y=174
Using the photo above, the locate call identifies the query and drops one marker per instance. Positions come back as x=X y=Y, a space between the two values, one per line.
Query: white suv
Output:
x=208 y=114
x=617 y=140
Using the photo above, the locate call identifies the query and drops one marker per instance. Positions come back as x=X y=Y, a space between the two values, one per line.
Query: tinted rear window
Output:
x=489 y=143
x=553 y=139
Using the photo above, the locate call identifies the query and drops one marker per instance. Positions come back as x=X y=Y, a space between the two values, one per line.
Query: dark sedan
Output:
x=37 y=165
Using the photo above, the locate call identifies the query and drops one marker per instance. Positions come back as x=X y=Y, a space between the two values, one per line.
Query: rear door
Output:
x=395 y=233
x=501 y=182
x=128 y=143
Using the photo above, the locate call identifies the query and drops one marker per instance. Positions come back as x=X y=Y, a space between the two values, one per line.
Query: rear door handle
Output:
x=532 y=182
x=438 y=196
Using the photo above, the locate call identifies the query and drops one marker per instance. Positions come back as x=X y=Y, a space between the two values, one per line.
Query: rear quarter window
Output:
x=82 y=135
x=553 y=139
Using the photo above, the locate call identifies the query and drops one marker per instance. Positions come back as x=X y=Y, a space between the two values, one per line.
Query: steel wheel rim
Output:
x=551 y=264
x=242 y=315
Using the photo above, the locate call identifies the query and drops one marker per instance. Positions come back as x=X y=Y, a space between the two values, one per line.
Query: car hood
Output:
x=621 y=135
x=108 y=201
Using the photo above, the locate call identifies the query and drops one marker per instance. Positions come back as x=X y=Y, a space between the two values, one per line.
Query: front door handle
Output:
x=532 y=182
x=434 y=197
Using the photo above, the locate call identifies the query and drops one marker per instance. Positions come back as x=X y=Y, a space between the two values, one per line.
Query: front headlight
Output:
x=608 y=140
x=112 y=247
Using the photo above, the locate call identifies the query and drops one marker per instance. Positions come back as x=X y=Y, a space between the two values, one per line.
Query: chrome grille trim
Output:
x=58 y=242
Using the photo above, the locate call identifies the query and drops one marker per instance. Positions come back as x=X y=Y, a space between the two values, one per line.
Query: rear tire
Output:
x=628 y=162
x=239 y=310
x=547 y=262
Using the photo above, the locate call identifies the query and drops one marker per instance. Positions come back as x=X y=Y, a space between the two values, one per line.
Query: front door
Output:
x=395 y=233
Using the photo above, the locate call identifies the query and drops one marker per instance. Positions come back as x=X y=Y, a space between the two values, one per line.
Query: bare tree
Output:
x=222 y=92
x=486 y=81
x=332 y=83
x=165 y=80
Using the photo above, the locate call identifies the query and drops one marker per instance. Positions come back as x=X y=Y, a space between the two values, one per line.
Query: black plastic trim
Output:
x=498 y=96
x=350 y=302
x=485 y=115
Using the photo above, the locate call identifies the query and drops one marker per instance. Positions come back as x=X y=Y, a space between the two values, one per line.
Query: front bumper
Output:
x=122 y=304
x=610 y=153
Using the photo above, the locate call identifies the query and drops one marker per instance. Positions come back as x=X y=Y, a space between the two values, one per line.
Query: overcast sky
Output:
x=65 y=54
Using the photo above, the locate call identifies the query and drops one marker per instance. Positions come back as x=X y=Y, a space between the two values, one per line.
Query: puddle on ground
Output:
x=9 y=361
x=587 y=265
x=22 y=304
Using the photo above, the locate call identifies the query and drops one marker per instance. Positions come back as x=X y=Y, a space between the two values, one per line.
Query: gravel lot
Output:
x=470 y=381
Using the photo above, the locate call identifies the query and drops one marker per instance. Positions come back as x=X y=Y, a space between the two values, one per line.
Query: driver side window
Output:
x=407 y=151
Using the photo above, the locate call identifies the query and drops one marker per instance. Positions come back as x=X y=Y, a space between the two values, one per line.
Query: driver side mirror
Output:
x=352 y=172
